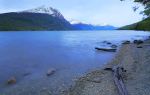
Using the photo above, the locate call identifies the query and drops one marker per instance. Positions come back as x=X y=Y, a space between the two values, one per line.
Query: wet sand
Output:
x=134 y=58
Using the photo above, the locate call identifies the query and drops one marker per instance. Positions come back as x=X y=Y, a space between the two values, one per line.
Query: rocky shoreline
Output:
x=134 y=58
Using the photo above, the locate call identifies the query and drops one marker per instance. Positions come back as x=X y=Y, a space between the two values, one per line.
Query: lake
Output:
x=29 y=55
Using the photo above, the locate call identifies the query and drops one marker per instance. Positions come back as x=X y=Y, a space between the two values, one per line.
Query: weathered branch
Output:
x=118 y=79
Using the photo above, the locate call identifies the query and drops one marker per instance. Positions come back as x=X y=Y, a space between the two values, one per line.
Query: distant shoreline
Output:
x=134 y=58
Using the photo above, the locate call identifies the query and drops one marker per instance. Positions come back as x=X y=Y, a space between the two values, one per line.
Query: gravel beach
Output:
x=134 y=58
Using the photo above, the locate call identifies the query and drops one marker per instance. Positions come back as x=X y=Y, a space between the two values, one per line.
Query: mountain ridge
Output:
x=50 y=19
x=83 y=26
x=42 y=18
x=141 y=25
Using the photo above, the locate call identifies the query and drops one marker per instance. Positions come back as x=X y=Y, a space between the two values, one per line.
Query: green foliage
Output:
x=142 y=25
x=146 y=4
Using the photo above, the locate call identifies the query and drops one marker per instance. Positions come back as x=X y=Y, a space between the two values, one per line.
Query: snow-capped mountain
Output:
x=78 y=25
x=41 y=18
x=46 y=10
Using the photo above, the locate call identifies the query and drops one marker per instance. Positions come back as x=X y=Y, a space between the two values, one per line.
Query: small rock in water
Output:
x=12 y=80
x=104 y=41
x=114 y=46
x=139 y=47
x=107 y=42
x=51 y=71
x=26 y=74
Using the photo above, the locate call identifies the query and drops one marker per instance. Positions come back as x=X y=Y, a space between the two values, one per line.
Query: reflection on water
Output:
x=71 y=53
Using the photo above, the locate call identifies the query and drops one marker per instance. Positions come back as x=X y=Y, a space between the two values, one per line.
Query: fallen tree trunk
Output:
x=118 y=79
x=106 y=49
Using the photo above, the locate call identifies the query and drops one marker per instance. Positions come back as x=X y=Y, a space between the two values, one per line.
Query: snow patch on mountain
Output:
x=73 y=21
x=46 y=10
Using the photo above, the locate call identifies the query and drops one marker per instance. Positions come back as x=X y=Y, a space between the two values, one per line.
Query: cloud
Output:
x=20 y=4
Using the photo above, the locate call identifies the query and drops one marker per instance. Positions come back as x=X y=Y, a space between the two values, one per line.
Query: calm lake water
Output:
x=28 y=56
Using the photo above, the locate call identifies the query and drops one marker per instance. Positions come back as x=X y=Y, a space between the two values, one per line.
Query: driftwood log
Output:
x=118 y=79
x=106 y=49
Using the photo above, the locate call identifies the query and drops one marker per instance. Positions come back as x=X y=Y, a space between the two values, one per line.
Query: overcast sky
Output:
x=112 y=12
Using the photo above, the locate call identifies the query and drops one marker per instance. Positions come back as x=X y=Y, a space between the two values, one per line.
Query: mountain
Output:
x=45 y=10
x=41 y=18
x=82 y=26
x=142 y=25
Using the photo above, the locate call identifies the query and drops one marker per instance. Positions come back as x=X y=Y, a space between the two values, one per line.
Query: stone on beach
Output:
x=138 y=42
x=51 y=71
x=97 y=80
